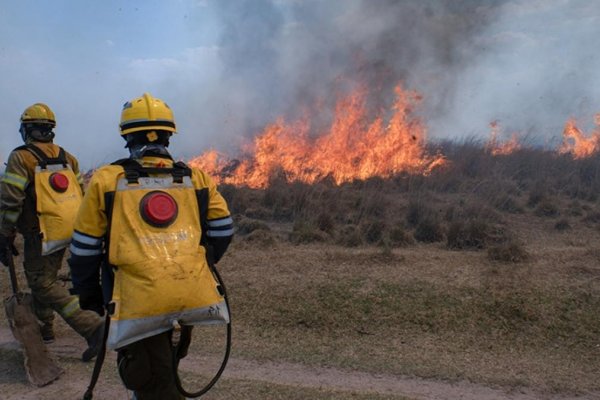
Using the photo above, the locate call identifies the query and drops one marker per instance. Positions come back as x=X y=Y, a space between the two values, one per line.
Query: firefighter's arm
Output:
x=87 y=245
x=12 y=193
x=219 y=222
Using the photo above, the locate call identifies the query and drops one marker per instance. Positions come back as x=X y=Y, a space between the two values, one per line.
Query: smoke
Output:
x=287 y=58
x=228 y=69
x=536 y=69
x=527 y=64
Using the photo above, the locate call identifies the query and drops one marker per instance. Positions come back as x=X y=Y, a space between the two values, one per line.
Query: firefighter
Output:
x=145 y=233
x=38 y=174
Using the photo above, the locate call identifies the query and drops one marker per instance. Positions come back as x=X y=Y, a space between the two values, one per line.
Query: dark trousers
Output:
x=146 y=366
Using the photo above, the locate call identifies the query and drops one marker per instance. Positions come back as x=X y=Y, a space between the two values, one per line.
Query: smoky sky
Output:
x=283 y=58
x=527 y=64
x=229 y=68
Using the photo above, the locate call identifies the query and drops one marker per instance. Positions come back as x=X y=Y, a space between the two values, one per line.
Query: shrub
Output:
x=562 y=225
x=509 y=204
x=470 y=235
x=546 y=208
x=575 y=209
x=349 y=236
x=239 y=200
x=536 y=195
x=510 y=251
x=258 y=213
x=372 y=232
x=325 y=223
x=398 y=236
x=277 y=199
x=304 y=232
x=416 y=212
x=429 y=230
x=245 y=226
x=592 y=217
x=261 y=238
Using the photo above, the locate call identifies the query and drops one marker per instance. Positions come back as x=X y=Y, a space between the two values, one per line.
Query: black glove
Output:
x=7 y=249
x=91 y=299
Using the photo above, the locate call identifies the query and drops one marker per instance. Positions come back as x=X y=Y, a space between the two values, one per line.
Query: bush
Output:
x=349 y=236
x=536 y=195
x=304 y=232
x=398 y=236
x=575 y=209
x=277 y=198
x=372 y=232
x=245 y=226
x=239 y=200
x=547 y=208
x=509 y=252
x=429 y=230
x=470 y=235
x=261 y=238
x=562 y=225
x=592 y=217
x=416 y=212
x=509 y=204
x=258 y=213
x=325 y=223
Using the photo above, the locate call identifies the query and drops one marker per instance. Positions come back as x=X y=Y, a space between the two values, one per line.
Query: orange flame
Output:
x=353 y=148
x=576 y=143
x=500 y=149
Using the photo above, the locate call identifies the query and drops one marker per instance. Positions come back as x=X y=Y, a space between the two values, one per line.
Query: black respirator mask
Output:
x=37 y=132
x=140 y=144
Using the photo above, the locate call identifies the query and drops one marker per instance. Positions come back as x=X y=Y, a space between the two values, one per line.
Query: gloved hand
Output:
x=7 y=248
x=91 y=299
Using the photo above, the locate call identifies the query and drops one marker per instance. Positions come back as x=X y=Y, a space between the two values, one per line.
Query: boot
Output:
x=47 y=332
x=94 y=343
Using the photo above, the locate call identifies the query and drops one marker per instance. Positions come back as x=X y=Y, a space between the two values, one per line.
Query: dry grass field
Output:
x=480 y=281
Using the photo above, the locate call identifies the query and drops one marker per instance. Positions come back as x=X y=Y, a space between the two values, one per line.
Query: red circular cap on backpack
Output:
x=158 y=208
x=59 y=182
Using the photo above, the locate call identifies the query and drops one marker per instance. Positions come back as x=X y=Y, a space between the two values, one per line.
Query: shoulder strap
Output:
x=62 y=155
x=43 y=159
x=134 y=171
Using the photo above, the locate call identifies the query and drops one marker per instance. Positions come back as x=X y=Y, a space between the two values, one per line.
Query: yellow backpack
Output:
x=58 y=197
x=161 y=273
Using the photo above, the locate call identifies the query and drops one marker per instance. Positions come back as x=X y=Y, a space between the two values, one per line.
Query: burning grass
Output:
x=465 y=204
x=355 y=146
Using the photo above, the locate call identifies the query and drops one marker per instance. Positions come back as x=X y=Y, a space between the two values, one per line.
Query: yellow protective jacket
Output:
x=153 y=230
x=17 y=188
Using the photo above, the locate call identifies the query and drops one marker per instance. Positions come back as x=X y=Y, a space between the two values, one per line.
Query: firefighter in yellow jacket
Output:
x=39 y=196
x=140 y=246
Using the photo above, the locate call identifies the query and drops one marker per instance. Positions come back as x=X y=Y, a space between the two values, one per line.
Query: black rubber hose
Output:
x=214 y=380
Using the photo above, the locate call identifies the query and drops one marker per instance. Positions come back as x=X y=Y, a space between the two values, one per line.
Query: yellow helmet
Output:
x=39 y=113
x=146 y=113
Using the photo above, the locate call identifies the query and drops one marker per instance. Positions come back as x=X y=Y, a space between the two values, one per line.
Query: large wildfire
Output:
x=354 y=147
x=577 y=143
x=357 y=146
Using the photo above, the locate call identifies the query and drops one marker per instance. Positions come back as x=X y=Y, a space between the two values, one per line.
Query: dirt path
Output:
x=269 y=372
